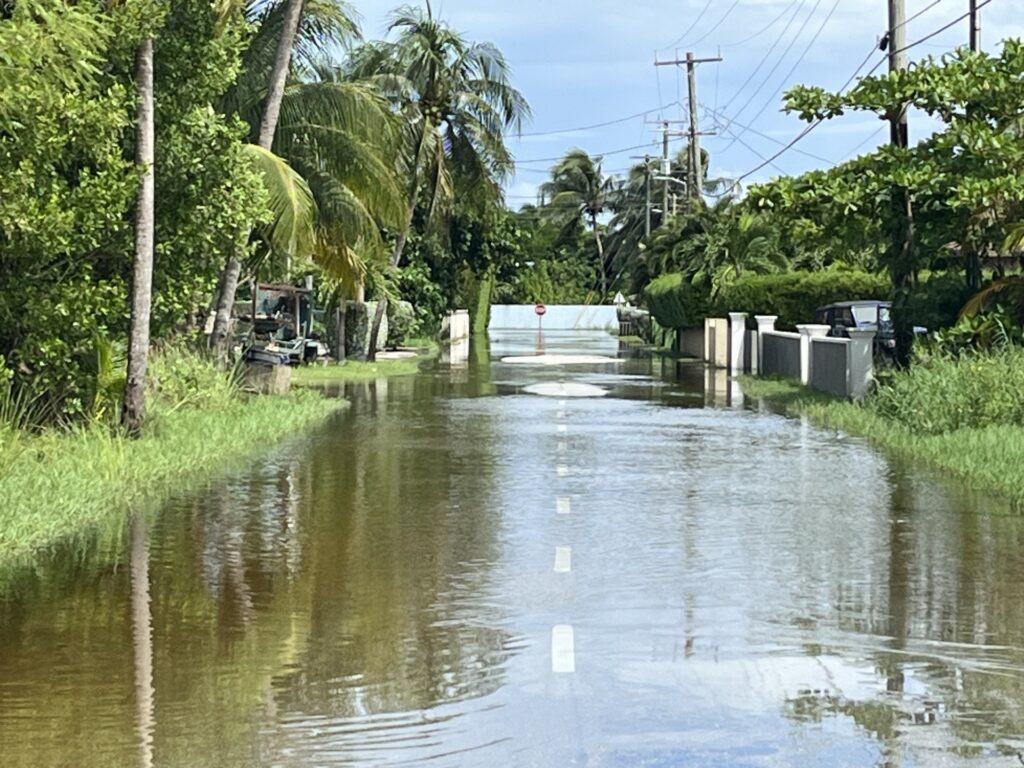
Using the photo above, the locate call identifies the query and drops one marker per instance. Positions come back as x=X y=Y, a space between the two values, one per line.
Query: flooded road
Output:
x=458 y=572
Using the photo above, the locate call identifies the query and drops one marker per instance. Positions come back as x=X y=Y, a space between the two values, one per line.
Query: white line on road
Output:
x=563 y=505
x=561 y=403
x=562 y=446
x=563 y=559
x=561 y=470
x=562 y=428
x=563 y=652
x=560 y=415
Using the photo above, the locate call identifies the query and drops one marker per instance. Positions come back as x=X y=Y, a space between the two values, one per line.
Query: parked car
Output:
x=866 y=314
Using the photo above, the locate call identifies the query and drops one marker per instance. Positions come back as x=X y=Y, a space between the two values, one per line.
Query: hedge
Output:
x=794 y=296
x=675 y=303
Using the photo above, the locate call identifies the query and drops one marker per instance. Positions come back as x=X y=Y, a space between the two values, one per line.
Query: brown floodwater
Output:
x=457 y=572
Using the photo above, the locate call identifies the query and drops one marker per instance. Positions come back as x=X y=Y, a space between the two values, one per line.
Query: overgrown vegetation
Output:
x=963 y=415
x=60 y=482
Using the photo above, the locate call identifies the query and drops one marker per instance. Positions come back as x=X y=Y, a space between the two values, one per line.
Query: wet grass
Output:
x=64 y=483
x=354 y=370
x=987 y=458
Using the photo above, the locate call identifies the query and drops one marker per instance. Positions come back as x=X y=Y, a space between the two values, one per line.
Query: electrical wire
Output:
x=763 y=29
x=793 y=69
x=764 y=59
x=714 y=29
x=594 y=154
x=724 y=127
x=689 y=29
x=595 y=125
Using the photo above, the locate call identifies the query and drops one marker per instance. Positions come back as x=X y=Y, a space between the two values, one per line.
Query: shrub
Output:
x=181 y=377
x=675 y=303
x=794 y=296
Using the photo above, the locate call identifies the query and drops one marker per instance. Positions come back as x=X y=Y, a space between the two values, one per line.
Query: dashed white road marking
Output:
x=562 y=428
x=563 y=651
x=563 y=559
x=563 y=505
x=562 y=446
x=562 y=470
x=560 y=415
x=561 y=403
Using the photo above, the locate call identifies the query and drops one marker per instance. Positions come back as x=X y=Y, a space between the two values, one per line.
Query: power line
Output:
x=761 y=63
x=942 y=29
x=690 y=28
x=711 y=31
x=796 y=64
x=756 y=132
x=778 y=63
x=596 y=125
x=736 y=137
x=592 y=154
x=763 y=29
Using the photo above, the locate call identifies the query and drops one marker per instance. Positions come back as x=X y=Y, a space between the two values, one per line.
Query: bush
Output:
x=181 y=377
x=936 y=301
x=794 y=296
x=675 y=303
x=941 y=393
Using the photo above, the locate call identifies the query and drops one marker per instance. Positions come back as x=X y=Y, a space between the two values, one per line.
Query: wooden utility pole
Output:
x=647 y=184
x=666 y=169
x=899 y=133
x=975 y=27
x=902 y=259
x=695 y=174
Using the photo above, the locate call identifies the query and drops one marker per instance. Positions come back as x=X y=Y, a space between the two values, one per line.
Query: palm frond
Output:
x=290 y=230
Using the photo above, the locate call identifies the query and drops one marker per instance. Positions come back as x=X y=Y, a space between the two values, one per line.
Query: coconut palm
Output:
x=457 y=102
x=331 y=176
x=579 y=188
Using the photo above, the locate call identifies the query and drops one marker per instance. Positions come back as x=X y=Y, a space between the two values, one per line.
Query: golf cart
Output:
x=866 y=314
x=281 y=319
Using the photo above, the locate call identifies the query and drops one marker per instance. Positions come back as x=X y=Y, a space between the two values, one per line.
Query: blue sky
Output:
x=581 y=63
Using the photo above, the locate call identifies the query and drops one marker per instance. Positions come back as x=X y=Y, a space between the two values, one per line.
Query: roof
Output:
x=858 y=303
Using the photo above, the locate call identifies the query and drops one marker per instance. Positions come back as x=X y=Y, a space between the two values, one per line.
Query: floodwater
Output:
x=457 y=572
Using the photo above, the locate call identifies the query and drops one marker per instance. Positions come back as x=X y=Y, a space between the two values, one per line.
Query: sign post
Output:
x=540 y=309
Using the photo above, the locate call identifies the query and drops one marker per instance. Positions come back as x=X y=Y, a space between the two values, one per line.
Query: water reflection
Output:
x=745 y=590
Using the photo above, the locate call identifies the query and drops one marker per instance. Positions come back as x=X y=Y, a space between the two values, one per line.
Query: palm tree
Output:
x=579 y=188
x=457 y=100
x=134 y=404
x=283 y=30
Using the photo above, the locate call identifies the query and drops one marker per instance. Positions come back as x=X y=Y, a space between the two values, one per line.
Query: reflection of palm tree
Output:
x=142 y=638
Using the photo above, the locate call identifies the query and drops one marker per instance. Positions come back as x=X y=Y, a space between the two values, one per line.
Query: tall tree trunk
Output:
x=600 y=258
x=268 y=126
x=403 y=238
x=133 y=409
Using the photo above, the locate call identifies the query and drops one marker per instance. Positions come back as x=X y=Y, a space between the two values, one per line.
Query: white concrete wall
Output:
x=562 y=317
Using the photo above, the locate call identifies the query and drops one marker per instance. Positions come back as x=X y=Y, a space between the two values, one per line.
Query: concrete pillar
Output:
x=808 y=332
x=764 y=323
x=860 y=362
x=737 y=341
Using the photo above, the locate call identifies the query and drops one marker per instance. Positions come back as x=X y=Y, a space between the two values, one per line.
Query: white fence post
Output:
x=808 y=332
x=860 y=363
x=765 y=323
x=737 y=341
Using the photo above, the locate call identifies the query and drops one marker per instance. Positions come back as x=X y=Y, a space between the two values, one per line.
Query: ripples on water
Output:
x=745 y=590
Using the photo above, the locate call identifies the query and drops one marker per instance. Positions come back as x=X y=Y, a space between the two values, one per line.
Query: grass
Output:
x=61 y=483
x=353 y=370
x=987 y=458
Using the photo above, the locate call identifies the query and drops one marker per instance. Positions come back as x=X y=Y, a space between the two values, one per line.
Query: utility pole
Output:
x=666 y=168
x=975 y=27
x=902 y=258
x=899 y=133
x=695 y=175
x=647 y=209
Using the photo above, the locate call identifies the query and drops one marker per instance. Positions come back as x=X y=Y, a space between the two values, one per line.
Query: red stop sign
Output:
x=540 y=309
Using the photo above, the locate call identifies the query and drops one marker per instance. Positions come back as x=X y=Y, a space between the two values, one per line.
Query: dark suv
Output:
x=865 y=314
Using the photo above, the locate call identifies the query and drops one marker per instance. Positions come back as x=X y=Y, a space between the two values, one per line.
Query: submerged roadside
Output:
x=988 y=457
x=58 y=484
